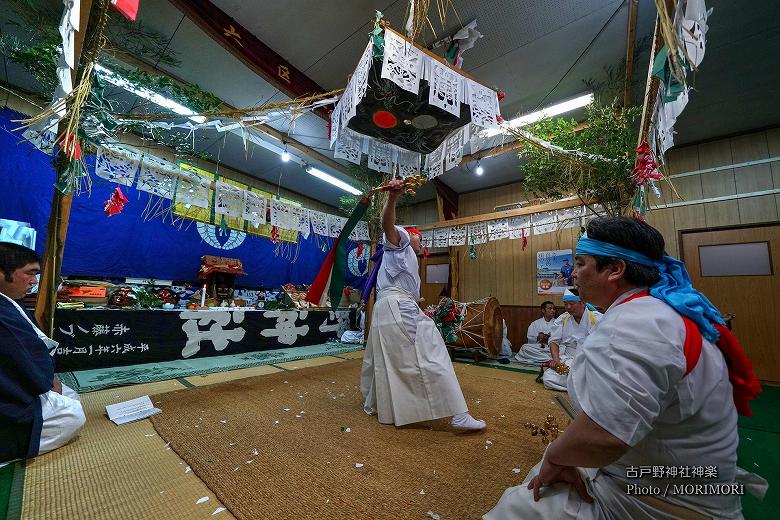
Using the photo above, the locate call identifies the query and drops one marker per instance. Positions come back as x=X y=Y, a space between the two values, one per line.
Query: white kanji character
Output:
x=144 y=347
x=285 y=330
x=341 y=324
x=658 y=472
x=68 y=332
x=671 y=471
x=632 y=472
x=645 y=470
x=216 y=334
x=98 y=330
x=120 y=329
x=711 y=472
x=698 y=471
x=684 y=471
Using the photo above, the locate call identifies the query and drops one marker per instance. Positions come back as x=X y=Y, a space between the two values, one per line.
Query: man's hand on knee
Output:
x=550 y=474
x=56 y=386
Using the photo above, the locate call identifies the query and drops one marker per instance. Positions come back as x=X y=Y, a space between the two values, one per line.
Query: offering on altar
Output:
x=219 y=277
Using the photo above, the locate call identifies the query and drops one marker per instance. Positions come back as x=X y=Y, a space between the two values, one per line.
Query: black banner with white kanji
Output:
x=107 y=338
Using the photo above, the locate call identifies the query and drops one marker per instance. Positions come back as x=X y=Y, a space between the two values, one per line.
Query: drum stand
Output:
x=476 y=353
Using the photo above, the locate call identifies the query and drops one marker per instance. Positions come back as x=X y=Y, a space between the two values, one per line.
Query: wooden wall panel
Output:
x=663 y=221
x=773 y=142
x=757 y=177
x=721 y=183
x=689 y=188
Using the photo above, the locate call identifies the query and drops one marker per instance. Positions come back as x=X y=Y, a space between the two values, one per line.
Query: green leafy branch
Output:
x=603 y=177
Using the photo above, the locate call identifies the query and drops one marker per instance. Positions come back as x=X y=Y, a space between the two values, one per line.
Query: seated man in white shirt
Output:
x=37 y=412
x=567 y=335
x=357 y=329
x=651 y=389
x=536 y=351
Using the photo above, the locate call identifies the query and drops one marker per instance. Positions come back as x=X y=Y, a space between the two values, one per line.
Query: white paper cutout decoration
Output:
x=402 y=63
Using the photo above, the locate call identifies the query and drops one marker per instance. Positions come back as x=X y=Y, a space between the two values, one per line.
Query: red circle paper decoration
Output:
x=384 y=119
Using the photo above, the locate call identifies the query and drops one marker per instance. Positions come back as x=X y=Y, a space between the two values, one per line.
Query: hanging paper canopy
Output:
x=403 y=103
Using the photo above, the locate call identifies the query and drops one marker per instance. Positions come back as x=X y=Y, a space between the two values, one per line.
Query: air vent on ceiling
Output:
x=518 y=205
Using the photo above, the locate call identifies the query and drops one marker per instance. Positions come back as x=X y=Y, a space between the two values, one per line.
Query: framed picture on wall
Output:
x=554 y=271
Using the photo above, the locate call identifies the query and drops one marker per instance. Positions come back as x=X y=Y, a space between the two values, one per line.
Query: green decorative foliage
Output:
x=146 y=297
x=40 y=18
x=191 y=96
x=447 y=318
x=39 y=60
x=611 y=134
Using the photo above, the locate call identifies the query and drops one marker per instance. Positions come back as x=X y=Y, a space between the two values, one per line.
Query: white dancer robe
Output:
x=407 y=374
x=628 y=378
x=506 y=345
x=533 y=352
x=568 y=335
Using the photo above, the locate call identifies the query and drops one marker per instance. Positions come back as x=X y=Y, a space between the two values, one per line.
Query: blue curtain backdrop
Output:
x=127 y=246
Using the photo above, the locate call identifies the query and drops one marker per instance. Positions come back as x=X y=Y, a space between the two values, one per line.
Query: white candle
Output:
x=203 y=296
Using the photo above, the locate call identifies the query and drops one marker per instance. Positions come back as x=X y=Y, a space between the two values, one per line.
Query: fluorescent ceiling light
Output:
x=551 y=111
x=480 y=170
x=115 y=79
x=333 y=180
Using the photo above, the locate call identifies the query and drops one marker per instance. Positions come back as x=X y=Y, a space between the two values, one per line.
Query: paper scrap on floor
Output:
x=132 y=410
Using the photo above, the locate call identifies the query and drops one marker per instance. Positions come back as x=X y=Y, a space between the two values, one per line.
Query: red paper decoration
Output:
x=115 y=204
x=646 y=168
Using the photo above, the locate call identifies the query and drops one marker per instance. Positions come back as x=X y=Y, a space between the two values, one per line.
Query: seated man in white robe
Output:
x=355 y=335
x=37 y=412
x=407 y=374
x=536 y=351
x=651 y=389
x=568 y=333
x=506 y=348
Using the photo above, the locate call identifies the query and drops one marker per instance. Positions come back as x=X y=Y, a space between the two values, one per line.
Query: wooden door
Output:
x=432 y=289
x=750 y=296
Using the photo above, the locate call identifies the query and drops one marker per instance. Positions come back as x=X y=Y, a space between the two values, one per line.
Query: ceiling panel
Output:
x=528 y=47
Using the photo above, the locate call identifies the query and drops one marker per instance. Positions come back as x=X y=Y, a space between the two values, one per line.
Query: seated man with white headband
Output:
x=567 y=335
x=37 y=412
x=658 y=384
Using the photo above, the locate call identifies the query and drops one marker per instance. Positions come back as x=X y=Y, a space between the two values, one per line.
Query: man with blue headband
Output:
x=656 y=388
x=568 y=333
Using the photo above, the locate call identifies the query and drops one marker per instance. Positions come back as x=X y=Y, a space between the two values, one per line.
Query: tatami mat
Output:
x=306 y=363
x=220 y=377
x=298 y=445
x=115 y=472
x=358 y=354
